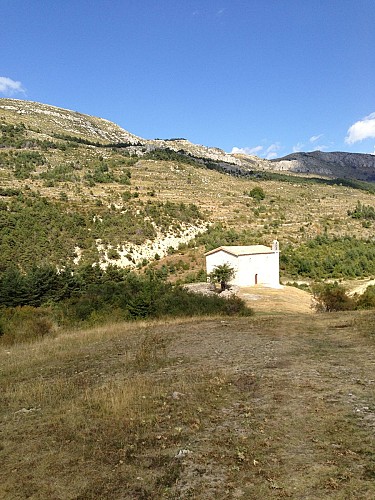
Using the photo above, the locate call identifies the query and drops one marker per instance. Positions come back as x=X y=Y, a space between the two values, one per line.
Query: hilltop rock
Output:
x=47 y=118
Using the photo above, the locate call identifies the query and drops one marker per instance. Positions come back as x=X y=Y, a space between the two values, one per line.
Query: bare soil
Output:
x=286 y=299
x=359 y=286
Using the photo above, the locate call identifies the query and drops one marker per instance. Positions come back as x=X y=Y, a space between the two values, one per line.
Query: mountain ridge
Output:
x=359 y=166
x=47 y=117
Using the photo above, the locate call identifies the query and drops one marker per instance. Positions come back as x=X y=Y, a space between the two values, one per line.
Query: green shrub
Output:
x=332 y=297
x=140 y=297
x=38 y=231
x=113 y=254
x=362 y=211
x=324 y=257
x=367 y=299
x=60 y=173
x=180 y=302
x=222 y=274
x=25 y=324
x=257 y=193
x=169 y=155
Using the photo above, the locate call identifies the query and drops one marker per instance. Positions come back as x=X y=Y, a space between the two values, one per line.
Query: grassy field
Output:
x=277 y=406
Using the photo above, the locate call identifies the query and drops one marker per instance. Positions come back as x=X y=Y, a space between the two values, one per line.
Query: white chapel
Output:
x=253 y=265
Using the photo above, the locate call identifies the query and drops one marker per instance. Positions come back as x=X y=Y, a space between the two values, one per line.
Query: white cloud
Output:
x=303 y=146
x=298 y=147
x=261 y=151
x=247 y=151
x=321 y=147
x=10 y=87
x=271 y=151
x=314 y=138
x=363 y=129
x=271 y=156
x=220 y=12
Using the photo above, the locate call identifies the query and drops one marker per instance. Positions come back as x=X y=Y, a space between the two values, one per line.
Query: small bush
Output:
x=180 y=302
x=222 y=274
x=113 y=254
x=24 y=324
x=362 y=211
x=151 y=352
x=257 y=193
x=332 y=297
x=367 y=299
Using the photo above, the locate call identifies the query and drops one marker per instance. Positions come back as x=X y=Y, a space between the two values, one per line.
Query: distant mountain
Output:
x=49 y=119
x=336 y=164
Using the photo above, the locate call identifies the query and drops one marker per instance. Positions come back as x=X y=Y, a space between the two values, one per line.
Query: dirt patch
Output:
x=359 y=287
x=286 y=299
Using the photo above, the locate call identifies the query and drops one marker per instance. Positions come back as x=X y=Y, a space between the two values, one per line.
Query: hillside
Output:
x=77 y=189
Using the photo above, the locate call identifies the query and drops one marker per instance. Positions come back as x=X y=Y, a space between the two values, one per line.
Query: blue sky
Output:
x=267 y=77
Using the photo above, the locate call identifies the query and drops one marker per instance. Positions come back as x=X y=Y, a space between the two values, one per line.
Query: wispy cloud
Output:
x=310 y=145
x=298 y=147
x=220 y=12
x=10 y=87
x=247 y=151
x=321 y=147
x=271 y=151
x=261 y=151
x=363 y=129
x=314 y=138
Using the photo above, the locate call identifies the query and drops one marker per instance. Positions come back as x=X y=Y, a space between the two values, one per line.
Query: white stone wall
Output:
x=262 y=269
x=219 y=258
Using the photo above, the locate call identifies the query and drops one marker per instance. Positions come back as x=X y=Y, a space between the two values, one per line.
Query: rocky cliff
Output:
x=336 y=164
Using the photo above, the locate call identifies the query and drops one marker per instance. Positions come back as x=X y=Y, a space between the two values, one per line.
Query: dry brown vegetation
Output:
x=265 y=300
x=275 y=406
x=291 y=211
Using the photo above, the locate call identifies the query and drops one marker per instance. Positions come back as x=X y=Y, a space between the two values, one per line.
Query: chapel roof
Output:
x=242 y=250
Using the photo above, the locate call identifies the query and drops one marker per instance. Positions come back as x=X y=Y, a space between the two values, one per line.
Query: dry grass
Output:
x=292 y=212
x=287 y=299
x=266 y=407
x=310 y=207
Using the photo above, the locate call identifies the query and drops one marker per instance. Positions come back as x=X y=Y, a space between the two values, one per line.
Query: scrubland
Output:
x=279 y=404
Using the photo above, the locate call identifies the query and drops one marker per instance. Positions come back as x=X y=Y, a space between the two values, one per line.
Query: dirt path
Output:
x=361 y=288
